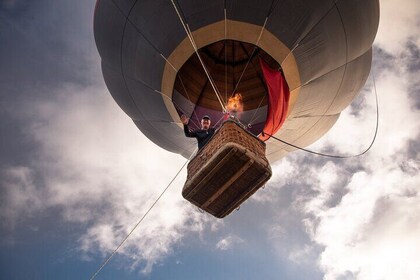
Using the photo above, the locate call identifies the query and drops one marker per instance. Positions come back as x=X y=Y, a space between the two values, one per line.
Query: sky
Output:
x=76 y=174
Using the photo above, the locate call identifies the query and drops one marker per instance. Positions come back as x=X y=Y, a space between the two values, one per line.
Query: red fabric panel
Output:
x=278 y=99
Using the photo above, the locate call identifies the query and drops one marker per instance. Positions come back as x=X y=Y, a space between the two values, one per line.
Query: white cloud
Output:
x=325 y=182
x=373 y=231
x=99 y=169
x=20 y=195
x=228 y=242
x=352 y=134
x=283 y=173
x=302 y=255
x=398 y=21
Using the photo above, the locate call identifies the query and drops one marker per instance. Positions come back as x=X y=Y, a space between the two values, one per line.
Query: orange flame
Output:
x=235 y=104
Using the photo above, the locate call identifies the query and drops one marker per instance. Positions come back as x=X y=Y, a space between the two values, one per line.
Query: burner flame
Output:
x=235 y=104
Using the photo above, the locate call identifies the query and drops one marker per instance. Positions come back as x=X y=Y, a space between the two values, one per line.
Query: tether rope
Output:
x=339 y=156
x=141 y=219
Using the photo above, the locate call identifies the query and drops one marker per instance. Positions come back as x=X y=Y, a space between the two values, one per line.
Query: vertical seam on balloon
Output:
x=321 y=77
x=345 y=67
x=121 y=56
x=144 y=36
x=342 y=77
x=316 y=24
x=347 y=57
x=122 y=69
x=298 y=41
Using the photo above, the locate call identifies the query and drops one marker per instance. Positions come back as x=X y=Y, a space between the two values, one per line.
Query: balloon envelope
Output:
x=322 y=48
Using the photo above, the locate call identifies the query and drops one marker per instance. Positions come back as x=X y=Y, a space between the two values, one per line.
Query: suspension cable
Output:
x=186 y=92
x=270 y=11
x=161 y=55
x=190 y=37
x=141 y=219
x=256 y=110
x=218 y=121
x=339 y=156
x=142 y=34
x=287 y=56
x=250 y=57
x=292 y=50
x=226 y=81
x=262 y=99
x=209 y=77
x=345 y=65
x=298 y=43
x=164 y=96
x=155 y=91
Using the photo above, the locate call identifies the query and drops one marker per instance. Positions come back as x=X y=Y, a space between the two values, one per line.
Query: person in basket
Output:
x=202 y=135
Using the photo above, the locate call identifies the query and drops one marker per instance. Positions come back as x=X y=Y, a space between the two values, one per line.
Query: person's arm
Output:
x=187 y=132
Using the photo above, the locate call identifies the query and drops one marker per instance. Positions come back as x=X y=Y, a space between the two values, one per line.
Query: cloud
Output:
x=95 y=166
x=373 y=232
x=19 y=195
x=354 y=218
x=228 y=242
x=397 y=23
x=364 y=212
x=72 y=152
x=398 y=116
x=283 y=173
x=361 y=215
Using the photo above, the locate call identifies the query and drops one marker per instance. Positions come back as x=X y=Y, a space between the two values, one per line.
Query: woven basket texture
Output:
x=227 y=171
x=229 y=132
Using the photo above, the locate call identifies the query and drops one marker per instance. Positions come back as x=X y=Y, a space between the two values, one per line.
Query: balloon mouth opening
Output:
x=235 y=72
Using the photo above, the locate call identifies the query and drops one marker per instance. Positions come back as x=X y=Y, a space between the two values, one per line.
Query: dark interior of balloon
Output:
x=234 y=67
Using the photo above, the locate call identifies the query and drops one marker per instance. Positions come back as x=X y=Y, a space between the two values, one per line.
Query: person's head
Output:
x=205 y=122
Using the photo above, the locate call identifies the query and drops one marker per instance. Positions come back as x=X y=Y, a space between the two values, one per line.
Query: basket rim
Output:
x=241 y=126
x=220 y=127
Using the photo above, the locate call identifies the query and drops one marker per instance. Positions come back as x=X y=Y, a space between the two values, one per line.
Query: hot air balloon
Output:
x=296 y=64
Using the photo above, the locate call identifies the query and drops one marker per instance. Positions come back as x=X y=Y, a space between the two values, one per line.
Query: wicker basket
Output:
x=228 y=170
